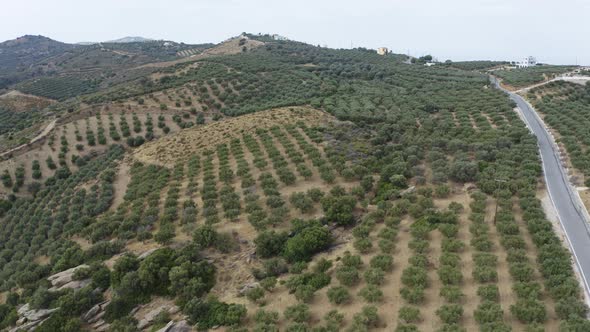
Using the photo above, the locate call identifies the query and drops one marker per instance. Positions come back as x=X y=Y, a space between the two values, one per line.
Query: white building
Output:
x=527 y=62
x=279 y=37
x=382 y=51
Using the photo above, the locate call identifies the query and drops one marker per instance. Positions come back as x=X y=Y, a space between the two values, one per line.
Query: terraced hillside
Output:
x=327 y=190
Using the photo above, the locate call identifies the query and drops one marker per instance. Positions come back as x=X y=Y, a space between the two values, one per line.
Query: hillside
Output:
x=53 y=63
x=18 y=56
x=128 y=39
x=270 y=185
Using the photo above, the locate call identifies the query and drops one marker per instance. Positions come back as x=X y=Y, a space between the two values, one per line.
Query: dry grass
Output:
x=19 y=102
x=178 y=147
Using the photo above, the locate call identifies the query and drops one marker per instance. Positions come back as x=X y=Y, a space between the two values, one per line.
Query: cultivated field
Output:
x=286 y=187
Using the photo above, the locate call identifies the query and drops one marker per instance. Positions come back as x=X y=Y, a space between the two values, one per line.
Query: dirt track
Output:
x=41 y=135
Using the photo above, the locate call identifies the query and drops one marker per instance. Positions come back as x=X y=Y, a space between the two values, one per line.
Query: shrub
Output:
x=255 y=294
x=386 y=246
x=488 y=312
x=452 y=245
x=452 y=294
x=529 y=311
x=570 y=307
x=268 y=283
x=322 y=265
x=266 y=317
x=489 y=293
x=529 y=290
x=368 y=317
x=307 y=242
x=413 y=294
x=270 y=243
x=339 y=209
x=383 y=262
x=363 y=245
x=301 y=202
x=374 y=276
x=409 y=315
x=450 y=275
x=347 y=275
x=484 y=274
x=371 y=293
x=338 y=295
x=448 y=230
x=450 y=313
x=414 y=276
x=298 y=313
x=315 y=194
x=351 y=260
x=304 y=293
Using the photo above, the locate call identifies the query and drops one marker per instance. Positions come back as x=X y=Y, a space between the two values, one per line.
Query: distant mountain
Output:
x=130 y=40
x=91 y=64
x=17 y=56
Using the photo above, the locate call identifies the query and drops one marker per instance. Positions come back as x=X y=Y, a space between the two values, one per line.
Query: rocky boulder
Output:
x=64 y=277
x=149 y=317
x=172 y=326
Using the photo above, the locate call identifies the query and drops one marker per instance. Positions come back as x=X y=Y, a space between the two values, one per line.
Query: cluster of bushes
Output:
x=230 y=200
x=124 y=126
x=488 y=314
x=274 y=200
x=57 y=209
x=528 y=307
x=294 y=155
x=139 y=211
x=555 y=266
x=415 y=276
x=100 y=133
x=136 y=123
x=308 y=237
x=450 y=274
x=182 y=124
x=243 y=170
x=304 y=284
x=313 y=153
x=149 y=127
x=113 y=132
x=189 y=207
x=162 y=123
x=279 y=162
x=566 y=108
x=209 y=191
x=167 y=229
x=166 y=272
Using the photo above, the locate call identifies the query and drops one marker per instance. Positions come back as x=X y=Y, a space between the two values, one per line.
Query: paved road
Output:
x=571 y=212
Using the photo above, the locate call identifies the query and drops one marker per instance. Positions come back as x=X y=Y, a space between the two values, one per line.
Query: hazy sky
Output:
x=555 y=31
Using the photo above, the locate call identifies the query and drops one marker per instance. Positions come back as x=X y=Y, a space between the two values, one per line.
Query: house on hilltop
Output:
x=528 y=61
x=382 y=50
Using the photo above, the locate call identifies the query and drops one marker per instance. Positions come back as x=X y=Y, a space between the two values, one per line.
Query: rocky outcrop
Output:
x=149 y=317
x=242 y=291
x=95 y=313
x=65 y=280
x=29 y=318
x=145 y=254
x=172 y=326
